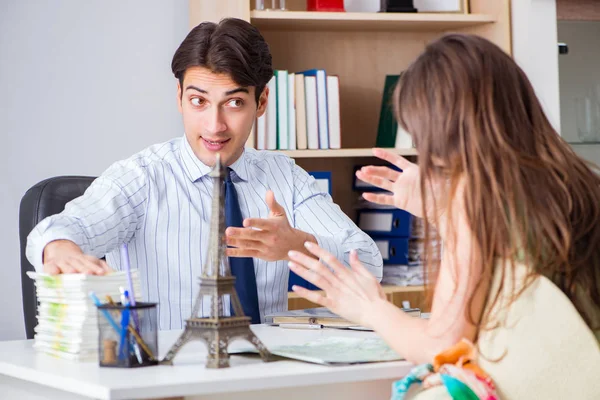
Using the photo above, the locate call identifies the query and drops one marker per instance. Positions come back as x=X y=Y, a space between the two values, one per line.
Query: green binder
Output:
x=386 y=131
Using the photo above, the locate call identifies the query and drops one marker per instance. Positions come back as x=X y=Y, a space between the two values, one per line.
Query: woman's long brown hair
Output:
x=529 y=198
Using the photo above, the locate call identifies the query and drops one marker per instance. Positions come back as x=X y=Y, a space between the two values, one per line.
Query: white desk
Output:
x=25 y=374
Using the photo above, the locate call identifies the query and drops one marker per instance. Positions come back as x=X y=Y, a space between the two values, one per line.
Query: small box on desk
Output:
x=128 y=335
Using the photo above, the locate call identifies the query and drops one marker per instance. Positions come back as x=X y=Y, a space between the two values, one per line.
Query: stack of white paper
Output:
x=67 y=318
x=402 y=275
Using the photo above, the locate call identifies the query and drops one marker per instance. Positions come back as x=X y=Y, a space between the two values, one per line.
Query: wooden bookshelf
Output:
x=360 y=48
x=395 y=294
x=292 y=20
x=337 y=153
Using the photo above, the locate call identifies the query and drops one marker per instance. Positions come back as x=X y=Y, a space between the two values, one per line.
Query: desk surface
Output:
x=189 y=376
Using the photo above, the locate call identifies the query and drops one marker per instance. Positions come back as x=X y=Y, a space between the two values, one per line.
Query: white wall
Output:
x=82 y=84
x=579 y=71
x=535 y=50
x=535 y=37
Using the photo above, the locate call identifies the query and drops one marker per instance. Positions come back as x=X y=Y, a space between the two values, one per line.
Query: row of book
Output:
x=303 y=112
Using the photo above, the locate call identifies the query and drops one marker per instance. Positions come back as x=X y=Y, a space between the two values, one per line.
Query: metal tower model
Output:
x=217 y=329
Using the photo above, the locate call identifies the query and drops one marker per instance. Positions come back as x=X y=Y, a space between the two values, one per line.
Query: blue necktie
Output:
x=241 y=268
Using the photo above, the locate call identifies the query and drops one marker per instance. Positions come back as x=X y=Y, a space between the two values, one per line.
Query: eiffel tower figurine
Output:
x=217 y=330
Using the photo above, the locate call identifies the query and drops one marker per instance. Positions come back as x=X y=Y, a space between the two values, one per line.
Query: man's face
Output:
x=217 y=114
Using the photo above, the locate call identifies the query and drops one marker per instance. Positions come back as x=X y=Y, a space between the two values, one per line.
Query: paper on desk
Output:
x=335 y=351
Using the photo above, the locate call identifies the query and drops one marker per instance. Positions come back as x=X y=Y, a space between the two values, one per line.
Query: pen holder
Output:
x=127 y=335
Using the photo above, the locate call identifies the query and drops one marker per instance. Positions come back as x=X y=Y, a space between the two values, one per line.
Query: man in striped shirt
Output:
x=158 y=201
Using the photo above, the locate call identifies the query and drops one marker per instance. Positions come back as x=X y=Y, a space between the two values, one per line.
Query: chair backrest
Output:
x=46 y=198
x=544 y=349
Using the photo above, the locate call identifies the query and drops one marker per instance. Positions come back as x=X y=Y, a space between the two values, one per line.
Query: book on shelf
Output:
x=387 y=127
x=301 y=124
x=333 y=112
x=282 y=110
x=312 y=112
x=321 y=316
x=321 y=105
x=389 y=132
x=291 y=114
x=271 y=116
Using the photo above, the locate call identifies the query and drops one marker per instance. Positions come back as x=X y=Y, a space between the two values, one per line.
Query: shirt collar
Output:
x=240 y=166
x=196 y=169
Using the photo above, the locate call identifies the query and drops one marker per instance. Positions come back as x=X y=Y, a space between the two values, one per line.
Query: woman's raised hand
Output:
x=404 y=186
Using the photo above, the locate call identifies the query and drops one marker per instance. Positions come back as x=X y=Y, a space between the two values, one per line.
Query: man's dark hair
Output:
x=233 y=46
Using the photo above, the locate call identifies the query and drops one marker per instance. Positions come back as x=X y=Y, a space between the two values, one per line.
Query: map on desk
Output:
x=335 y=351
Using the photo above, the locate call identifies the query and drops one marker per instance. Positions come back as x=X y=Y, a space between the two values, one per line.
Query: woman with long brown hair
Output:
x=516 y=210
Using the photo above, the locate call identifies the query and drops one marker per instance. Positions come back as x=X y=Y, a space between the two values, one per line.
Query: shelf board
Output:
x=340 y=153
x=387 y=289
x=298 y=20
x=402 y=289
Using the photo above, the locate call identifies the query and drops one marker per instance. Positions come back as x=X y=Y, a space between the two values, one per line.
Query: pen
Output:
x=124 y=325
x=301 y=326
x=106 y=314
x=130 y=328
x=127 y=267
x=135 y=334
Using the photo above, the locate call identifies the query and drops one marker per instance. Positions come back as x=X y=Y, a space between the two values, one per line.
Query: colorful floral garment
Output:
x=456 y=370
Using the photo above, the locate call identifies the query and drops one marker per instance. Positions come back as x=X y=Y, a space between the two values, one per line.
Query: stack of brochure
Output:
x=67 y=318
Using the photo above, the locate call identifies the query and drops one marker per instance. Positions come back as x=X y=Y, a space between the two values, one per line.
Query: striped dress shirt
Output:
x=159 y=202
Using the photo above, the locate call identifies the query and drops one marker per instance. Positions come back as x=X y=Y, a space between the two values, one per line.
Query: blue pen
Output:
x=106 y=314
x=127 y=267
x=125 y=300
x=123 y=350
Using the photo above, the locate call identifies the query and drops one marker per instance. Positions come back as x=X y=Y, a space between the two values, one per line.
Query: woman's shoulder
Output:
x=535 y=337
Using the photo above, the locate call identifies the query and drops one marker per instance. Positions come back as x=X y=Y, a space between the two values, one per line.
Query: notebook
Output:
x=321 y=316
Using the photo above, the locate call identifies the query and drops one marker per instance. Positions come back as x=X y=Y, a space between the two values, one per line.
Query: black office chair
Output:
x=46 y=198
